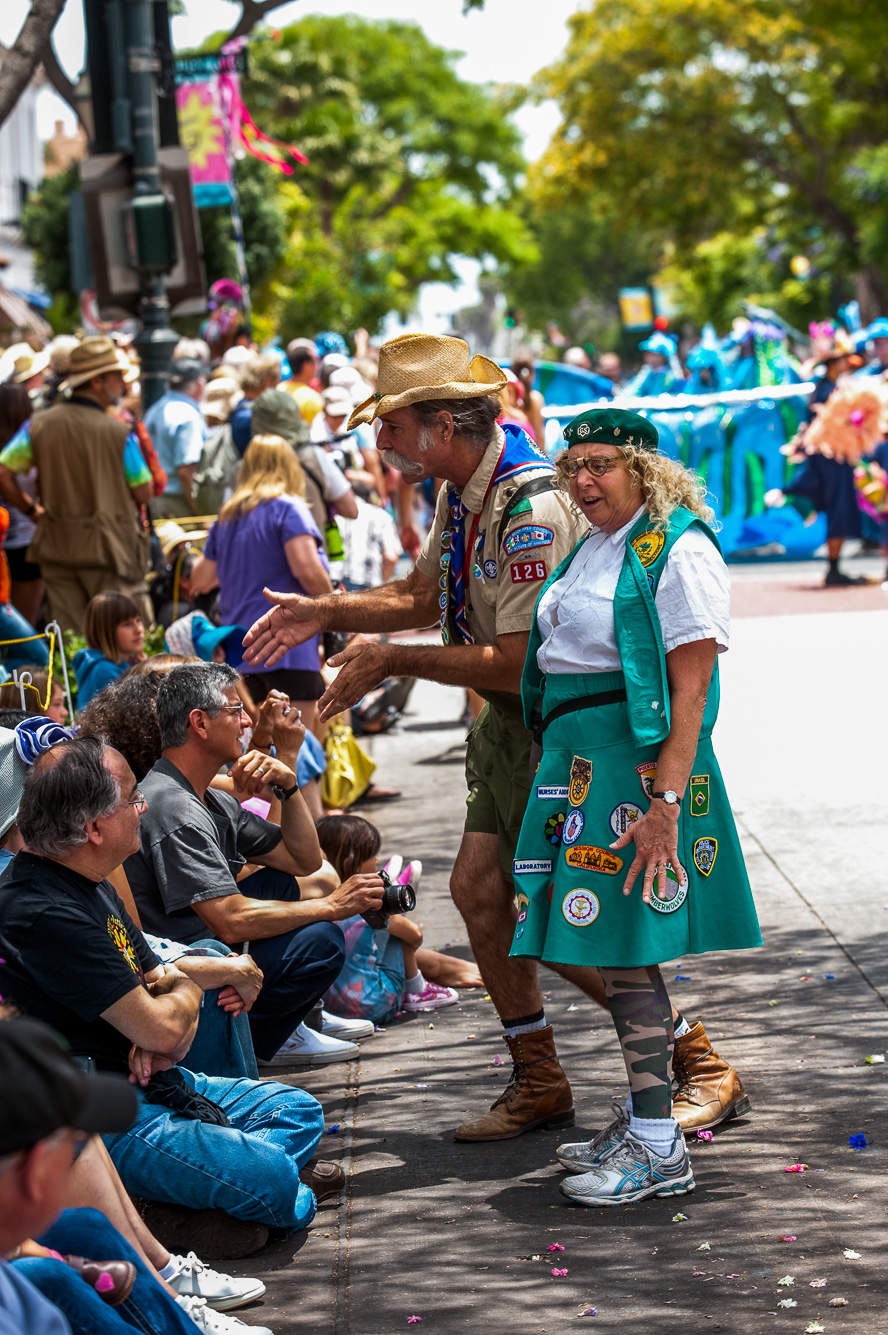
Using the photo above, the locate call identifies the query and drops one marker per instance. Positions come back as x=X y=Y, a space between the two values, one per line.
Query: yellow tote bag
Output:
x=349 y=768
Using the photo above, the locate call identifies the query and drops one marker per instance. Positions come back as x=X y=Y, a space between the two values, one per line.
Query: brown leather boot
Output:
x=537 y=1093
x=708 y=1089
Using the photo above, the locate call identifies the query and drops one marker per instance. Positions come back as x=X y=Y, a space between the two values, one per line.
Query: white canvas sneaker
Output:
x=336 y=1026
x=216 y=1323
x=306 y=1047
x=632 y=1172
x=195 y=1279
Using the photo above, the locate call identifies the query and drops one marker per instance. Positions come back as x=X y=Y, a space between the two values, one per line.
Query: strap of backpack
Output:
x=535 y=487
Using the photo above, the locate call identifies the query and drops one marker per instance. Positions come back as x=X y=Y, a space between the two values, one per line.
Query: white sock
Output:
x=416 y=986
x=682 y=1029
x=513 y=1030
x=171 y=1268
x=658 y=1132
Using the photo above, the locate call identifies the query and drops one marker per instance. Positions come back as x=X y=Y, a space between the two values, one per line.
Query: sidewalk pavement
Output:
x=459 y=1234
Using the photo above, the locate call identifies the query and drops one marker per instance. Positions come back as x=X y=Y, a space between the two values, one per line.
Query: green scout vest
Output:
x=637 y=628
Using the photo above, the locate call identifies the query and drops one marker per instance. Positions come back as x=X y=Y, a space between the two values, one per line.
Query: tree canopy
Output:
x=757 y=129
x=409 y=167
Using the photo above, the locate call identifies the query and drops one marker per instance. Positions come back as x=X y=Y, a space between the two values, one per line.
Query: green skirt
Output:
x=592 y=782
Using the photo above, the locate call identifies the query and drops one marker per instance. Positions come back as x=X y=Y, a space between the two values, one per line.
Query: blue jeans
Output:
x=299 y=965
x=249 y=1169
x=13 y=626
x=88 y=1233
x=222 y=1044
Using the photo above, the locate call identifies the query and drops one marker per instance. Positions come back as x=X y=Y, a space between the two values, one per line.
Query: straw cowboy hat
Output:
x=416 y=367
x=29 y=364
x=93 y=356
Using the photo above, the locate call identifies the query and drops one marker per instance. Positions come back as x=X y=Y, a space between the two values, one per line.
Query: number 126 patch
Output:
x=525 y=571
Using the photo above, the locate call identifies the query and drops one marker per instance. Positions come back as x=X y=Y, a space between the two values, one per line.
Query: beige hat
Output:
x=415 y=367
x=92 y=356
x=171 y=535
x=29 y=364
x=128 y=369
x=60 y=350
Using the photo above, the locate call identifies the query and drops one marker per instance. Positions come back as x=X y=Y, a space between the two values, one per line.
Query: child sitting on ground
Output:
x=385 y=970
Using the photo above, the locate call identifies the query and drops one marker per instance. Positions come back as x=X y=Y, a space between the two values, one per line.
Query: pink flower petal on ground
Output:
x=704 y=1135
x=554 y=1247
x=558 y=1273
x=787 y=1237
x=411 y=1319
x=817 y=1284
x=796 y=1168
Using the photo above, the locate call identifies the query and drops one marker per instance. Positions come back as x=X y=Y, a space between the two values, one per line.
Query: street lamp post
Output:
x=148 y=217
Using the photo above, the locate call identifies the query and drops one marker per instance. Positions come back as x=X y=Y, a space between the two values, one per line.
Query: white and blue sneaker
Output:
x=581 y=1155
x=632 y=1172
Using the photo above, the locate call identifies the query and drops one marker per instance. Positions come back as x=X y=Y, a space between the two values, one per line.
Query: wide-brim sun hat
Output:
x=172 y=535
x=337 y=401
x=418 y=367
x=30 y=364
x=91 y=357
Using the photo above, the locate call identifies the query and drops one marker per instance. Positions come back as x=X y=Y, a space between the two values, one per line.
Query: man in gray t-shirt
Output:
x=196 y=840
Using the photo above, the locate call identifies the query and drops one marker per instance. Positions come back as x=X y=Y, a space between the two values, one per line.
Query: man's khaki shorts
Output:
x=497 y=765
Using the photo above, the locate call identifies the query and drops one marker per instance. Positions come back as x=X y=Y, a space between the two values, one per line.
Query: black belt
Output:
x=574 y=706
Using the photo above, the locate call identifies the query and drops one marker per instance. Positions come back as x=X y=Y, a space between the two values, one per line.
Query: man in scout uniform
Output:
x=501 y=527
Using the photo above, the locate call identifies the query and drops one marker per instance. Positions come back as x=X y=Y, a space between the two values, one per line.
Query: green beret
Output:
x=612 y=426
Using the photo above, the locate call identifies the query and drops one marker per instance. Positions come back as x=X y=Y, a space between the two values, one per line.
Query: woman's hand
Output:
x=655 y=835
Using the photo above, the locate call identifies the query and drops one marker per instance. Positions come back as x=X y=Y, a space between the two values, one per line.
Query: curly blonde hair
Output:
x=665 y=483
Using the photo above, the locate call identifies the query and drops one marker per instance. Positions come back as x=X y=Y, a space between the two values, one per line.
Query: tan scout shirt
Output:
x=500 y=601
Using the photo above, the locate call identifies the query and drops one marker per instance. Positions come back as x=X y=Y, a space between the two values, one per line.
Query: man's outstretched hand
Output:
x=361 y=667
x=292 y=621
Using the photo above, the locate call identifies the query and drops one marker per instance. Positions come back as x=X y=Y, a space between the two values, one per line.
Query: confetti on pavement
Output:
x=796 y=1168
x=679 y=1218
x=851 y=1255
x=559 y=1273
x=838 y=1302
x=817 y=1284
x=858 y=1141
x=787 y=1302
x=787 y=1279
x=875 y=1059
x=786 y=1237
x=704 y=1135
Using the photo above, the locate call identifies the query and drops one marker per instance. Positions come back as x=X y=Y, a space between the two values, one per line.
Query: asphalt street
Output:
x=459 y=1235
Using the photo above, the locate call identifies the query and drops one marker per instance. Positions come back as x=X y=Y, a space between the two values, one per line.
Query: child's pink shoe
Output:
x=432 y=999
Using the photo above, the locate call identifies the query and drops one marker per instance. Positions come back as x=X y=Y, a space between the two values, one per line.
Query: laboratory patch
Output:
x=580 y=778
x=525 y=572
x=648 y=546
x=591 y=858
x=624 y=815
x=554 y=827
x=551 y=793
x=705 y=853
x=580 y=907
x=646 y=774
x=679 y=894
x=699 y=794
x=529 y=535
x=531 y=866
x=573 y=827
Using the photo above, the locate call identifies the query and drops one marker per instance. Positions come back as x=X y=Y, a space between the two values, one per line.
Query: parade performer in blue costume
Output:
x=707 y=371
x=661 y=372
x=877 y=336
x=825 y=479
x=628 y=854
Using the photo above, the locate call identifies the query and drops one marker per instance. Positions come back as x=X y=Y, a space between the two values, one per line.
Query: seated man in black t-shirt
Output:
x=195 y=840
x=72 y=957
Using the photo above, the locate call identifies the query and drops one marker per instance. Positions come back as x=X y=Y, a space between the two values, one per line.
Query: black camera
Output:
x=395 y=899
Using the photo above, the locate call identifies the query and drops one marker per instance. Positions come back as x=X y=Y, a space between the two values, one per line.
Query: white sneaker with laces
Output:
x=431 y=999
x=306 y=1047
x=193 y=1278
x=632 y=1172
x=335 y=1026
x=216 y=1323
x=581 y=1155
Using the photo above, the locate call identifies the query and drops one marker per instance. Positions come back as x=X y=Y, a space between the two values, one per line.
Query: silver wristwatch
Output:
x=670 y=797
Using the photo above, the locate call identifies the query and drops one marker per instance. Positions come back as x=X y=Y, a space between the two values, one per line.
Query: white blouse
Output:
x=576 y=614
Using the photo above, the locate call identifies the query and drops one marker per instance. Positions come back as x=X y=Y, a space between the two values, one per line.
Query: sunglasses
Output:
x=597 y=467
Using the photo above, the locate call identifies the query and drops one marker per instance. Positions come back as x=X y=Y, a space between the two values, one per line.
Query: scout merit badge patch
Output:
x=699 y=794
x=580 y=907
x=646 y=774
x=678 y=893
x=705 y=853
x=624 y=815
x=648 y=546
x=573 y=827
x=531 y=866
x=528 y=536
x=591 y=858
x=554 y=826
x=580 y=778
x=552 y=793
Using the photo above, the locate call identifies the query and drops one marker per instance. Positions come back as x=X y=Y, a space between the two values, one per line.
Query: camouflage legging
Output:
x=642 y=1014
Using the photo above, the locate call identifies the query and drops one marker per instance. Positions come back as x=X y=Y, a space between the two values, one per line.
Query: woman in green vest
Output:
x=628 y=854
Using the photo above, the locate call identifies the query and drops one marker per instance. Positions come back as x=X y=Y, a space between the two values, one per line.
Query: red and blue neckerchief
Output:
x=518 y=455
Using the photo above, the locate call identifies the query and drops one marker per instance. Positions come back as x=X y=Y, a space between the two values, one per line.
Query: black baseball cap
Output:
x=43 y=1090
